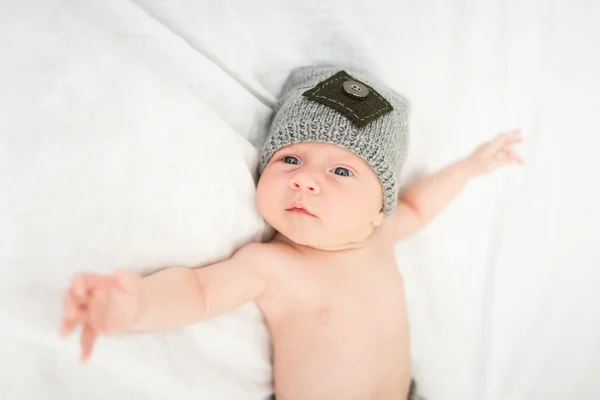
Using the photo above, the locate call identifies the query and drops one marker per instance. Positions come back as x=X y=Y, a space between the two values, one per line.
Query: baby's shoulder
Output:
x=263 y=255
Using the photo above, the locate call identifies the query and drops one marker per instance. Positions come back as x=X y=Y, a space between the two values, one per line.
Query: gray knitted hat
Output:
x=347 y=108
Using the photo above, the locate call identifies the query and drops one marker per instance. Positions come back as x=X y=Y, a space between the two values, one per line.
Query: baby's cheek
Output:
x=263 y=195
x=364 y=195
x=366 y=206
x=346 y=214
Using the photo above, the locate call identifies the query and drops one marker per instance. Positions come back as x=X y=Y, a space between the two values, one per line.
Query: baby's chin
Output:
x=299 y=234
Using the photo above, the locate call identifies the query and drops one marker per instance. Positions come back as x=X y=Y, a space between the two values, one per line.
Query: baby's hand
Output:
x=101 y=304
x=495 y=153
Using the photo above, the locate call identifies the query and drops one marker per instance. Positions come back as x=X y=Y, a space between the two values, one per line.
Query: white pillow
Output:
x=121 y=146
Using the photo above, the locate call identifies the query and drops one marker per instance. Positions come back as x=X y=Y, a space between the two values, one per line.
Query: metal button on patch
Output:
x=355 y=89
x=351 y=98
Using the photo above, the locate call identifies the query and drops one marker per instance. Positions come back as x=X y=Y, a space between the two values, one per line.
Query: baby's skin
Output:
x=327 y=283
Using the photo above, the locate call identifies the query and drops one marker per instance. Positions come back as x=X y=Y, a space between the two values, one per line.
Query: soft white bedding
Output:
x=129 y=135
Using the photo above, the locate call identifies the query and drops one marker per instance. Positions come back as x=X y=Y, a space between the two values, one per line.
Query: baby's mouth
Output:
x=300 y=210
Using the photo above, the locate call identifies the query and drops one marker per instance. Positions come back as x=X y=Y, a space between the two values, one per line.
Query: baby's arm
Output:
x=176 y=296
x=423 y=199
x=173 y=297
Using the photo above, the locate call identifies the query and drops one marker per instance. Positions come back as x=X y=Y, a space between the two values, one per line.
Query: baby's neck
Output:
x=342 y=248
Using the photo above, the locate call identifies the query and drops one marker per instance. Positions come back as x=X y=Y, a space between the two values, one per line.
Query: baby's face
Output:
x=339 y=191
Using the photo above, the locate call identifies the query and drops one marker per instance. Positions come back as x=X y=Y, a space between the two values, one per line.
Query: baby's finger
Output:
x=88 y=337
x=70 y=305
x=510 y=133
x=68 y=326
x=514 y=139
x=508 y=137
x=507 y=158
x=497 y=144
x=71 y=315
x=515 y=157
x=79 y=288
x=96 y=317
x=93 y=280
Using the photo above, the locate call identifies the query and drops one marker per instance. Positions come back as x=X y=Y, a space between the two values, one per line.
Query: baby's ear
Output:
x=378 y=219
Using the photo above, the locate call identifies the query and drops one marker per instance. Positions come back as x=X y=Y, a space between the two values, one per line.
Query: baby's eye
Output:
x=342 y=171
x=290 y=160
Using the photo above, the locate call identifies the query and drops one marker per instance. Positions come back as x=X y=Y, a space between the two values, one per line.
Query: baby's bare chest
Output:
x=348 y=323
x=348 y=305
x=330 y=328
x=330 y=295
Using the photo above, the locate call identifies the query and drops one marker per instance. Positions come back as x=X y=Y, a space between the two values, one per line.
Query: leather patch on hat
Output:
x=350 y=97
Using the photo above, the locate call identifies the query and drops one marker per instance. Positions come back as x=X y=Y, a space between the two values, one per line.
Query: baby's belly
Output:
x=328 y=355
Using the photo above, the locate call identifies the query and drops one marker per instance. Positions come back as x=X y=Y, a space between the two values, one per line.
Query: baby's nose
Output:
x=304 y=183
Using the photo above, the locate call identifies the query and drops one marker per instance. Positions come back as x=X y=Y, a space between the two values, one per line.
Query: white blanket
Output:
x=129 y=134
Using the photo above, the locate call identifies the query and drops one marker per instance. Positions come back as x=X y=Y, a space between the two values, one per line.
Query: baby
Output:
x=327 y=283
